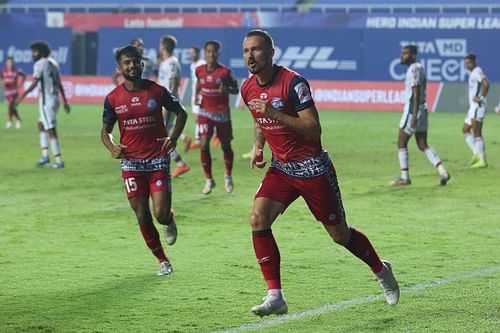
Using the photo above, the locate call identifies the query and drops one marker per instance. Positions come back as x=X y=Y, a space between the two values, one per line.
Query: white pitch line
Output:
x=344 y=304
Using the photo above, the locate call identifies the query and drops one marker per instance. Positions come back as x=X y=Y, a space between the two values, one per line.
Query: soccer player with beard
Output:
x=136 y=105
x=280 y=101
x=215 y=83
x=415 y=119
x=11 y=78
x=46 y=73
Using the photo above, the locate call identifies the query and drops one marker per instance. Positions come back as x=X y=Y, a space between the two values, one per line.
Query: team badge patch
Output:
x=263 y=96
x=151 y=104
x=159 y=183
x=277 y=103
x=303 y=92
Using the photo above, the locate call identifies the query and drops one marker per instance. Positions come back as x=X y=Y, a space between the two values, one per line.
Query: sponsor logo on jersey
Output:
x=121 y=109
x=277 y=103
x=263 y=96
x=151 y=104
x=302 y=92
x=210 y=78
x=135 y=101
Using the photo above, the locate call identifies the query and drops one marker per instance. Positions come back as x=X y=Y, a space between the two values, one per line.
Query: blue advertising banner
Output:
x=441 y=53
x=314 y=53
x=327 y=54
x=17 y=45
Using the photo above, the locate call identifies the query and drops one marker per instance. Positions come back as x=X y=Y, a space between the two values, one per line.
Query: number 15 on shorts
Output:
x=130 y=184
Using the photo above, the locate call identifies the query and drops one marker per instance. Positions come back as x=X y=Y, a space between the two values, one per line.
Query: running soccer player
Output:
x=46 y=72
x=215 y=83
x=285 y=116
x=169 y=76
x=196 y=60
x=136 y=105
x=11 y=78
x=478 y=90
x=415 y=119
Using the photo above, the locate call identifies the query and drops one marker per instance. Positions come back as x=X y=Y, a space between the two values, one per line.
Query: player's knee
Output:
x=144 y=218
x=258 y=221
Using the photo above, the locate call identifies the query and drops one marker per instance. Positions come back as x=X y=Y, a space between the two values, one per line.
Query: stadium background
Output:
x=350 y=52
x=72 y=259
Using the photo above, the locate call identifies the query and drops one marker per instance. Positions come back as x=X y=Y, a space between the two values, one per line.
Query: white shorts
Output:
x=48 y=113
x=422 y=120
x=475 y=112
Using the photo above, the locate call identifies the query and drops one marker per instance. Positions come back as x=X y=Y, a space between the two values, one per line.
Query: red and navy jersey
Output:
x=139 y=118
x=290 y=93
x=210 y=81
x=10 y=79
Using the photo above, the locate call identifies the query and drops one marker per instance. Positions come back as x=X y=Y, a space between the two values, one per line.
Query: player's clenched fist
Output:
x=118 y=150
x=258 y=159
x=263 y=107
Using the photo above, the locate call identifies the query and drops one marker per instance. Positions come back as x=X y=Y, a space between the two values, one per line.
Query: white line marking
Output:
x=344 y=304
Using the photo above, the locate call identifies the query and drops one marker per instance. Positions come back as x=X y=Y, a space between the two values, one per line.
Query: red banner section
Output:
x=367 y=95
x=89 y=89
x=92 y=22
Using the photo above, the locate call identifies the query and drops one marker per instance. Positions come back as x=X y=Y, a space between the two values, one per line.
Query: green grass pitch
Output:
x=72 y=258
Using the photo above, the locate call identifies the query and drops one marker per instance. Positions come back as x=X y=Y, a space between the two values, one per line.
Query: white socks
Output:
x=44 y=143
x=56 y=150
x=469 y=138
x=479 y=144
x=403 y=163
x=433 y=157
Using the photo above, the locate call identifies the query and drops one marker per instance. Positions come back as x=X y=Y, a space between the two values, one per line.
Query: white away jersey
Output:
x=475 y=81
x=169 y=69
x=47 y=70
x=193 y=69
x=415 y=76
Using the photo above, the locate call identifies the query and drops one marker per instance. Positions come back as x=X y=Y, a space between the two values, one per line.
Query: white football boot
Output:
x=170 y=230
x=274 y=303
x=389 y=284
x=228 y=184
x=209 y=185
x=165 y=269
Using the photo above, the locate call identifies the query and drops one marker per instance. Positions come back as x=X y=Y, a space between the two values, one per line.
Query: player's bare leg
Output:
x=164 y=214
x=477 y=130
x=206 y=163
x=471 y=142
x=359 y=245
x=433 y=157
x=403 y=139
x=228 y=162
x=56 y=149
x=140 y=205
x=264 y=213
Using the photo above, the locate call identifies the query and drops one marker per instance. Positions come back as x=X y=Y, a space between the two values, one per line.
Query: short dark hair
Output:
x=196 y=48
x=42 y=47
x=264 y=34
x=169 y=42
x=213 y=42
x=412 y=48
x=137 y=40
x=471 y=57
x=127 y=50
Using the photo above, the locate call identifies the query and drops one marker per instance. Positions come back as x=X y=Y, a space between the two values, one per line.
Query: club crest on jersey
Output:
x=302 y=92
x=151 y=104
x=135 y=101
x=277 y=103
x=263 y=96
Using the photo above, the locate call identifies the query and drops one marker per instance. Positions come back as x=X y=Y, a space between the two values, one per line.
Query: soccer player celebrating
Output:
x=46 y=72
x=169 y=76
x=215 y=83
x=478 y=90
x=144 y=148
x=414 y=119
x=285 y=116
x=11 y=78
x=194 y=57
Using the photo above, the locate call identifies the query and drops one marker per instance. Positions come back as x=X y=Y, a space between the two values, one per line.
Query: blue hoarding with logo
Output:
x=328 y=54
x=441 y=53
x=17 y=45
